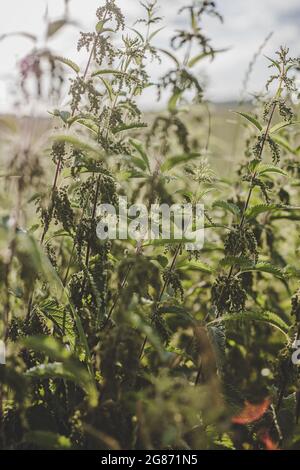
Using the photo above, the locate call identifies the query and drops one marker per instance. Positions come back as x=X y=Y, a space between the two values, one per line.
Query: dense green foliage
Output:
x=125 y=345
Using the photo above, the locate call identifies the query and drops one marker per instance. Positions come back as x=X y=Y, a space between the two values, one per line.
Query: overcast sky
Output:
x=246 y=24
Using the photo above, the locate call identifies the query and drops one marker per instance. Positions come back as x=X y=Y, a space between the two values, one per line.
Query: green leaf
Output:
x=266 y=267
x=100 y=26
x=181 y=313
x=61 y=318
x=72 y=371
x=195 y=266
x=109 y=72
x=163 y=260
x=194 y=60
x=154 y=33
x=89 y=124
x=228 y=206
x=178 y=160
x=172 y=103
x=55 y=26
x=274 y=62
x=254 y=211
x=68 y=62
x=261 y=316
x=43 y=266
x=264 y=169
x=127 y=127
x=251 y=119
x=241 y=261
x=139 y=323
x=138 y=34
x=76 y=142
x=108 y=87
x=49 y=346
x=291 y=271
x=140 y=149
x=138 y=162
x=282 y=125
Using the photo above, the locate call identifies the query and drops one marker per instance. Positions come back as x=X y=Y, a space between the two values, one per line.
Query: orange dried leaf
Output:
x=251 y=412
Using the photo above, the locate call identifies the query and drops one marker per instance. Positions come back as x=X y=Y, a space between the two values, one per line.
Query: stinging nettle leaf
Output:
x=68 y=62
x=250 y=119
x=254 y=211
x=261 y=316
x=264 y=169
x=282 y=125
x=266 y=267
x=228 y=206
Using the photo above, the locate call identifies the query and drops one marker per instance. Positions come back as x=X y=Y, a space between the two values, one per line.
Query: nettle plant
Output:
x=124 y=345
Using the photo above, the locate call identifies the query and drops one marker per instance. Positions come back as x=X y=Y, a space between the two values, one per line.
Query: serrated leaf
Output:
x=250 y=119
x=265 y=267
x=72 y=371
x=89 y=124
x=254 y=211
x=265 y=169
x=108 y=72
x=228 y=206
x=241 y=261
x=68 y=62
x=195 y=266
x=261 y=316
x=61 y=318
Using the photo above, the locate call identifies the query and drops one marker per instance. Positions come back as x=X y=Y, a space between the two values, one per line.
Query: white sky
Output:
x=246 y=25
